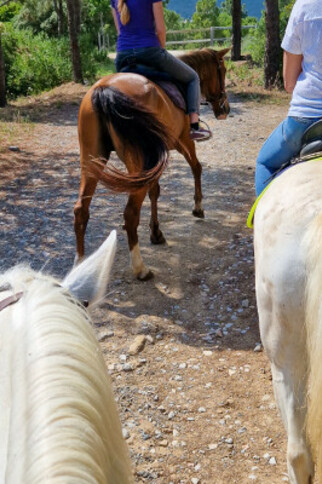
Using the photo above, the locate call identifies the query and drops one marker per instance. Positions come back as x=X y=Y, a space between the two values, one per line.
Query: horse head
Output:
x=210 y=66
x=214 y=87
x=55 y=391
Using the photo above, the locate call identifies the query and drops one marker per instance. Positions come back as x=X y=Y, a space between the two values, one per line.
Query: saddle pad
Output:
x=162 y=79
x=250 y=218
x=173 y=92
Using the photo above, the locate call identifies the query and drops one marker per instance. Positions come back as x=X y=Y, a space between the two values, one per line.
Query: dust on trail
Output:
x=195 y=399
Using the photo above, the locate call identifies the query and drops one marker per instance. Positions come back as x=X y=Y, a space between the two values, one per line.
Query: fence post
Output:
x=212 y=35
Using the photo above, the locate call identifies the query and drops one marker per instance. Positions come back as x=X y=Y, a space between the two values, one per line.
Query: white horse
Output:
x=58 y=418
x=288 y=263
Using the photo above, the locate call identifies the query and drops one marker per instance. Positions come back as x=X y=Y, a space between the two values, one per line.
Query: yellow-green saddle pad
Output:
x=250 y=218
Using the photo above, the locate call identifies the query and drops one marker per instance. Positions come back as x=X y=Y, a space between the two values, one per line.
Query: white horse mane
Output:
x=63 y=422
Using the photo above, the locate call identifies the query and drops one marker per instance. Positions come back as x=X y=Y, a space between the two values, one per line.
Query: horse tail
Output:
x=138 y=129
x=313 y=244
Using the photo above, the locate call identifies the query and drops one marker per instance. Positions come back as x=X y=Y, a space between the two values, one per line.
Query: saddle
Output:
x=174 y=89
x=312 y=139
x=311 y=150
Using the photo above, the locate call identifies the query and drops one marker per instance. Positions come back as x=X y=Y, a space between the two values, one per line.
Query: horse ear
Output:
x=223 y=52
x=88 y=280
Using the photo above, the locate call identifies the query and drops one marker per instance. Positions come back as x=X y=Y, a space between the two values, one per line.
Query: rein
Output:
x=222 y=94
x=8 y=301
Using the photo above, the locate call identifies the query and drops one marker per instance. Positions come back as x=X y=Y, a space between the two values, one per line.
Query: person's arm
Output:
x=159 y=22
x=292 y=67
x=115 y=21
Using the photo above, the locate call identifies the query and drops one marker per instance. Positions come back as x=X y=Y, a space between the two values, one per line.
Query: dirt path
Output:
x=196 y=403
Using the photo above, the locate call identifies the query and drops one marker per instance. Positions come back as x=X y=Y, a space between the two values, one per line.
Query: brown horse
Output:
x=128 y=113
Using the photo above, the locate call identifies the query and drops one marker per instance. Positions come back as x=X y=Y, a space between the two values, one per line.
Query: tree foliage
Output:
x=206 y=14
x=258 y=35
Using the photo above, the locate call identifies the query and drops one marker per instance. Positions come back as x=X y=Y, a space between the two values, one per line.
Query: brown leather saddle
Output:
x=175 y=90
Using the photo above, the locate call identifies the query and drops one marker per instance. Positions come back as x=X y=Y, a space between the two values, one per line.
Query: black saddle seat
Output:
x=174 y=89
x=312 y=139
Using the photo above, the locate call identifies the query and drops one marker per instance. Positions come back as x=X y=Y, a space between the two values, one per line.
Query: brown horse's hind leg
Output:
x=156 y=235
x=81 y=213
x=188 y=150
x=131 y=222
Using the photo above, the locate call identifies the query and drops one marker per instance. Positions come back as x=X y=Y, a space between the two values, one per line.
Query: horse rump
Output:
x=139 y=131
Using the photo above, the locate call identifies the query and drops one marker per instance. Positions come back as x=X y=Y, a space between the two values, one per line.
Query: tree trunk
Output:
x=3 y=98
x=77 y=4
x=236 y=12
x=58 y=6
x=272 y=46
x=73 y=36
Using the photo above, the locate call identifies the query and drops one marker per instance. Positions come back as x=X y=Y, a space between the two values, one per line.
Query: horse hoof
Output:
x=145 y=276
x=198 y=213
x=157 y=239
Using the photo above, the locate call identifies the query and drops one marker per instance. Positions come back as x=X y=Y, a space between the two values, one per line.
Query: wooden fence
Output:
x=209 y=37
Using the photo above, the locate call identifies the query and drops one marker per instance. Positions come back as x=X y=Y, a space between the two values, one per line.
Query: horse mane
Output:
x=72 y=429
x=203 y=61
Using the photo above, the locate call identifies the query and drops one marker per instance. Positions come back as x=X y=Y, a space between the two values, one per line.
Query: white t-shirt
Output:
x=303 y=35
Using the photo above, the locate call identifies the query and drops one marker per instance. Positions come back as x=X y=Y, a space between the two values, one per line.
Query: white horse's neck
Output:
x=13 y=375
x=58 y=418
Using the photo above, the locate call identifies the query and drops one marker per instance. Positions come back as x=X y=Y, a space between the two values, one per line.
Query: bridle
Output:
x=221 y=97
x=8 y=301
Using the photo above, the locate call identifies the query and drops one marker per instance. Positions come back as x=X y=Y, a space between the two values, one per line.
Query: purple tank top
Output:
x=140 y=31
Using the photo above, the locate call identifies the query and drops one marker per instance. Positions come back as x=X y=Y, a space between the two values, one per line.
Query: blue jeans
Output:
x=283 y=144
x=161 y=60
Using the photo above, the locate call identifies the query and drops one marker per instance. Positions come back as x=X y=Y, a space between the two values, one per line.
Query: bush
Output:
x=36 y=63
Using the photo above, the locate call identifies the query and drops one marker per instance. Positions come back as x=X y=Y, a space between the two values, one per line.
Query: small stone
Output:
x=138 y=345
x=195 y=480
x=212 y=446
x=245 y=303
x=258 y=348
x=202 y=410
x=14 y=148
x=171 y=415
x=252 y=477
x=272 y=461
x=207 y=353
x=105 y=334
x=126 y=434
x=163 y=443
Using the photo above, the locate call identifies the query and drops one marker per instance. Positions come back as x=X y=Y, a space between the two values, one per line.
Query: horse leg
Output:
x=187 y=148
x=131 y=222
x=156 y=235
x=81 y=213
x=290 y=391
x=281 y=328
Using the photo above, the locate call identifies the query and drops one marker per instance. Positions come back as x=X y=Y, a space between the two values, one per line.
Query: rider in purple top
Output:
x=141 y=40
x=140 y=31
